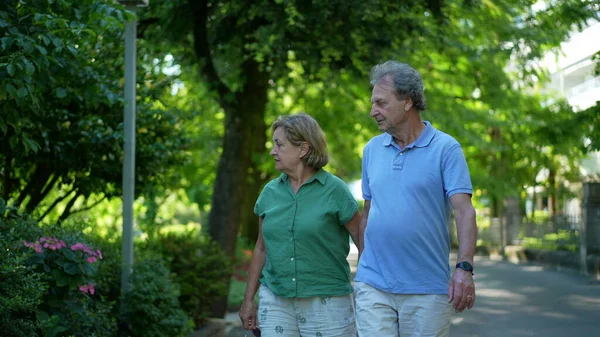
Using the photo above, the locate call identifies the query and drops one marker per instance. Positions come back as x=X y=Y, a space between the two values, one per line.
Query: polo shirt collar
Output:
x=320 y=176
x=424 y=138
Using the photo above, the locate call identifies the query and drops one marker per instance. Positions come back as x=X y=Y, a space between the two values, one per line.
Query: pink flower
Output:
x=99 y=253
x=77 y=246
x=34 y=245
x=87 y=288
x=52 y=243
x=91 y=259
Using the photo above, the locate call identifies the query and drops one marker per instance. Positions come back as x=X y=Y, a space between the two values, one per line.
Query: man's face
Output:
x=388 y=111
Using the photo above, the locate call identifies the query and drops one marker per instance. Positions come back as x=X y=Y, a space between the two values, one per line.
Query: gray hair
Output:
x=300 y=128
x=407 y=81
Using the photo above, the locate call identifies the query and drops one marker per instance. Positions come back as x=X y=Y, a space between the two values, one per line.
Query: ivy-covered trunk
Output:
x=244 y=120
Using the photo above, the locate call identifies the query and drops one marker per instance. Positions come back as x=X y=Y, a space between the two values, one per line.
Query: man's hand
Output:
x=248 y=315
x=461 y=290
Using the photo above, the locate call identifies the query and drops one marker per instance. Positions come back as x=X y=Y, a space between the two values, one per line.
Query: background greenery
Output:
x=211 y=77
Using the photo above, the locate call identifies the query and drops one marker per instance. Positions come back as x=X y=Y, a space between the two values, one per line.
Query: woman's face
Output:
x=287 y=156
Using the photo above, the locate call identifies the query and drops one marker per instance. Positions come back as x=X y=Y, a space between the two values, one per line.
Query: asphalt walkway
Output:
x=516 y=301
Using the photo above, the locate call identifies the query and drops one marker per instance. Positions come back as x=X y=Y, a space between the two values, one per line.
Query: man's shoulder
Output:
x=377 y=140
x=444 y=139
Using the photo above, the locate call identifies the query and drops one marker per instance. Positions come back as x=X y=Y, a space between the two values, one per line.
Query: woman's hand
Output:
x=248 y=315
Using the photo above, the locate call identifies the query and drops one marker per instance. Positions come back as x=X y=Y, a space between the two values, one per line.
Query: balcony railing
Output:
x=583 y=87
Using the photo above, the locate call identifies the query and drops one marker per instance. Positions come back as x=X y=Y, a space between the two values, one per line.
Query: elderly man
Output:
x=413 y=176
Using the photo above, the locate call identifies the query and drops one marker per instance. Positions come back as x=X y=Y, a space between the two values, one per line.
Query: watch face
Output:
x=465 y=266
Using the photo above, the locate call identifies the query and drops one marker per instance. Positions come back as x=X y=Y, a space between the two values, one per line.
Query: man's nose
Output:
x=373 y=111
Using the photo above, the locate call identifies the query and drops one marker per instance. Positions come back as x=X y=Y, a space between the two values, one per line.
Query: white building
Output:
x=572 y=72
x=572 y=77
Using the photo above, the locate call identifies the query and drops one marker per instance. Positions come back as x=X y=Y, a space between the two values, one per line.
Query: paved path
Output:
x=527 y=300
x=521 y=300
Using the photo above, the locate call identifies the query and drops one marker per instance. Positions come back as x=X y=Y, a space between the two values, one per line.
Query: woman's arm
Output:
x=248 y=313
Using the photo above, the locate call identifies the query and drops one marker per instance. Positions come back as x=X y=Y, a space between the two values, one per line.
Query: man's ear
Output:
x=408 y=103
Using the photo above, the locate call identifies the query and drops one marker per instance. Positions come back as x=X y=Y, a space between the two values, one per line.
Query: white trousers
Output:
x=382 y=314
x=313 y=316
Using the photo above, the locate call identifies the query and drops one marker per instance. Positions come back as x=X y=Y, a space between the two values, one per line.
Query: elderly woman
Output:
x=305 y=216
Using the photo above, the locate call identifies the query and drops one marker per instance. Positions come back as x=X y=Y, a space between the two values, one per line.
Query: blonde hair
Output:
x=303 y=128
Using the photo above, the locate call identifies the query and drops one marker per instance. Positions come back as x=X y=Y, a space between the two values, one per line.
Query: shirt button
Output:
x=294 y=279
x=401 y=153
x=292 y=259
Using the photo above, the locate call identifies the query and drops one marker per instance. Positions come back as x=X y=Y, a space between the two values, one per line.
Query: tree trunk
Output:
x=255 y=182
x=552 y=192
x=244 y=134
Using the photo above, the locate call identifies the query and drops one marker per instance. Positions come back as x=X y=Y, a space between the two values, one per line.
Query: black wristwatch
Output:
x=466 y=266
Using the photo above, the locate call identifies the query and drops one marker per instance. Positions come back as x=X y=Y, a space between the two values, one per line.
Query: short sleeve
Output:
x=346 y=204
x=456 y=177
x=366 y=191
x=259 y=206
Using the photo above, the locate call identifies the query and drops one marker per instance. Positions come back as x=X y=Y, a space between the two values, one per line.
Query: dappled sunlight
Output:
x=501 y=294
x=491 y=311
x=557 y=315
x=533 y=268
x=531 y=290
x=583 y=303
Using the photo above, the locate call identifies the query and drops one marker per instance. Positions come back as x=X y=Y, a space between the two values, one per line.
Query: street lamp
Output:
x=129 y=142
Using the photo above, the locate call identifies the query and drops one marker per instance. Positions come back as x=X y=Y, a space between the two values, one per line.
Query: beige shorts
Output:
x=379 y=313
x=313 y=316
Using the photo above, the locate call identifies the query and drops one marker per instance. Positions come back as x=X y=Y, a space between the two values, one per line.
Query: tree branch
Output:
x=88 y=207
x=67 y=212
x=202 y=48
x=51 y=207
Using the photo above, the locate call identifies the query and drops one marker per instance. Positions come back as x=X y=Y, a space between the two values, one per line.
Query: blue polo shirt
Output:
x=407 y=242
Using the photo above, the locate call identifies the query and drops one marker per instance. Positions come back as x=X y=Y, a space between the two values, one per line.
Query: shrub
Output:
x=199 y=266
x=151 y=307
x=21 y=289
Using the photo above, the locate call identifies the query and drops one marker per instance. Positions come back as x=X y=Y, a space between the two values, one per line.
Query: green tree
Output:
x=254 y=56
x=61 y=129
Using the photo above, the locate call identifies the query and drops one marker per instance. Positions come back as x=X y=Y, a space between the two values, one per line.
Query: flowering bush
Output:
x=69 y=271
x=70 y=268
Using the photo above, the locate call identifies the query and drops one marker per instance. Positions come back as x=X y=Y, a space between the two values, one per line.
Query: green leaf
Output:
x=60 y=278
x=29 y=68
x=71 y=268
x=30 y=144
x=61 y=92
x=73 y=50
x=70 y=255
x=45 y=39
x=41 y=49
x=11 y=90
x=22 y=92
x=11 y=69
x=42 y=316
x=3 y=23
x=6 y=42
x=35 y=259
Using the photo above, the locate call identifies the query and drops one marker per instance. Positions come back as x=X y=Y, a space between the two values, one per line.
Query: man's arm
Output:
x=461 y=289
x=362 y=227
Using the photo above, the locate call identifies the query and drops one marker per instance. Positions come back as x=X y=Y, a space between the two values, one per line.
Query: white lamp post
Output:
x=129 y=142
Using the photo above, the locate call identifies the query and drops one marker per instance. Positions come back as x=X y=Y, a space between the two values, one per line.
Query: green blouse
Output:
x=306 y=241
